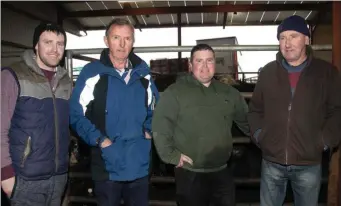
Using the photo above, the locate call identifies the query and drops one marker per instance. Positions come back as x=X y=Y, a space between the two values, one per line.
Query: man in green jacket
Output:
x=192 y=130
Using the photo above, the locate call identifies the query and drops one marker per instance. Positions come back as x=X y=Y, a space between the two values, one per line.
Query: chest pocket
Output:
x=211 y=112
x=224 y=105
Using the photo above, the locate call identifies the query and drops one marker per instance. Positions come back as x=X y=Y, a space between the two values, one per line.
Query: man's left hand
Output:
x=147 y=135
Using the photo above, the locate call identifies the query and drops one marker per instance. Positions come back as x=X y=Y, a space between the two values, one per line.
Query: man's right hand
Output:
x=183 y=159
x=106 y=143
x=7 y=186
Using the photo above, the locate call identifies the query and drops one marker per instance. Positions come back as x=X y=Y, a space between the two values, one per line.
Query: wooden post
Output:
x=334 y=188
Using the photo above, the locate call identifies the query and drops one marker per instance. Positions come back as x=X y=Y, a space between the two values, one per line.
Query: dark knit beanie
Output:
x=46 y=26
x=295 y=23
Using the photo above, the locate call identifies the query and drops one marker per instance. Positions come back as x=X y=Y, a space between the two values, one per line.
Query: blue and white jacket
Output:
x=103 y=104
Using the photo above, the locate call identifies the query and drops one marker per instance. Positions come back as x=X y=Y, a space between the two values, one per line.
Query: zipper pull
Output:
x=289 y=107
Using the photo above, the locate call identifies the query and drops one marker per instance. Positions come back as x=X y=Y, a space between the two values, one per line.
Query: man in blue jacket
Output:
x=111 y=109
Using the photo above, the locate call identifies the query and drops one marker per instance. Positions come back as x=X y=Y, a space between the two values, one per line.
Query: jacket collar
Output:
x=136 y=63
x=29 y=57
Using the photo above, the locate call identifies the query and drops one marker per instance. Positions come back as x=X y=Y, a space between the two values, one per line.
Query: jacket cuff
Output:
x=256 y=134
x=175 y=159
x=7 y=172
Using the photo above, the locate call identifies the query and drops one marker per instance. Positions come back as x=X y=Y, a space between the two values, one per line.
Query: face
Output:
x=120 y=41
x=202 y=66
x=50 y=49
x=293 y=45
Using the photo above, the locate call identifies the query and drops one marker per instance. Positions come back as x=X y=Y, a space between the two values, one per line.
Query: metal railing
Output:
x=79 y=52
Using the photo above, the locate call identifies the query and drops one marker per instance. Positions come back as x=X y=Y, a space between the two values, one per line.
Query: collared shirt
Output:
x=125 y=73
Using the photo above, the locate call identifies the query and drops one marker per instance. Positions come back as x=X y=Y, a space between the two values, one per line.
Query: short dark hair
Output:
x=119 y=22
x=201 y=47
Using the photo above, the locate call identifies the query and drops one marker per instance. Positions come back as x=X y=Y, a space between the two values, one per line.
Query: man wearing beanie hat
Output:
x=295 y=115
x=35 y=122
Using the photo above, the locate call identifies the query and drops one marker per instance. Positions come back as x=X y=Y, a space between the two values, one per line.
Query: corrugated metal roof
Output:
x=187 y=19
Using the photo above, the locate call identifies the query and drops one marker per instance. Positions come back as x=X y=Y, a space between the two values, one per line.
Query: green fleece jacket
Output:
x=196 y=121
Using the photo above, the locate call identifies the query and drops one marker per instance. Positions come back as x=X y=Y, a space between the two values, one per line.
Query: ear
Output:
x=307 y=40
x=36 y=47
x=105 y=38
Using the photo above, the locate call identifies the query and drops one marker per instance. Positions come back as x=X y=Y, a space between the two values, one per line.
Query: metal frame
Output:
x=71 y=53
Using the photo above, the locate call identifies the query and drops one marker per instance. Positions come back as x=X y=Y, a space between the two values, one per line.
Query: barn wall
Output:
x=323 y=35
x=18 y=28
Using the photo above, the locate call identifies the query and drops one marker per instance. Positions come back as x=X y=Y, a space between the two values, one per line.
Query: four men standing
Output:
x=295 y=114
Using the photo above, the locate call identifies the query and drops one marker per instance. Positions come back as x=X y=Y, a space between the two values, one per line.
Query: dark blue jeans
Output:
x=305 y=182
x=39 y=193
x=134 y=193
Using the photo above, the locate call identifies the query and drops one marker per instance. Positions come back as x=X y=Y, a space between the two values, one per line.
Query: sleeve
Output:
x=155 y=98
x=81 y=96
x=332 y=127
x=163 y=124
x=240 y=115
x=9 y=95
x=256 y=110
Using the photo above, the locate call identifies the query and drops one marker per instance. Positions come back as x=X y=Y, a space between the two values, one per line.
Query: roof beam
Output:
x=149 y=26
x=35 y=17
x=15 y=45
x=197 y=9
x=61 y=16
x=21 y=11
x=137 y=22
x=224 y=20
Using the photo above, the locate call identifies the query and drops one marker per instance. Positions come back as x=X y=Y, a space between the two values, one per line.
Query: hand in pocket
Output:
x=109 y=155
x=8 y=186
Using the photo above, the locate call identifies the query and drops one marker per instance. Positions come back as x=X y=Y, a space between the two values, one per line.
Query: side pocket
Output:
x=109 y=157
x=27 y=151
x=261 y=137
x=14 y=187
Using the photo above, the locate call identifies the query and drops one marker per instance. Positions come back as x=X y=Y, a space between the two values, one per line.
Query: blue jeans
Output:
x=305 y=182
x=40 y=192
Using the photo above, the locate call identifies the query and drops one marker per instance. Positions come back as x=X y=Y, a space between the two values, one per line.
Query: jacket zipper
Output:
x=56 y=127
x=27 y=151
x=287 y=139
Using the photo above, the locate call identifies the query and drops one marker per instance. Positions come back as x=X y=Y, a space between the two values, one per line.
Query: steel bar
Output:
x=80 y=199
x=169 y=179
x=13 y=44
x=69 y=65
x=10 y=56
x=84 y=58
x=188 y=49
